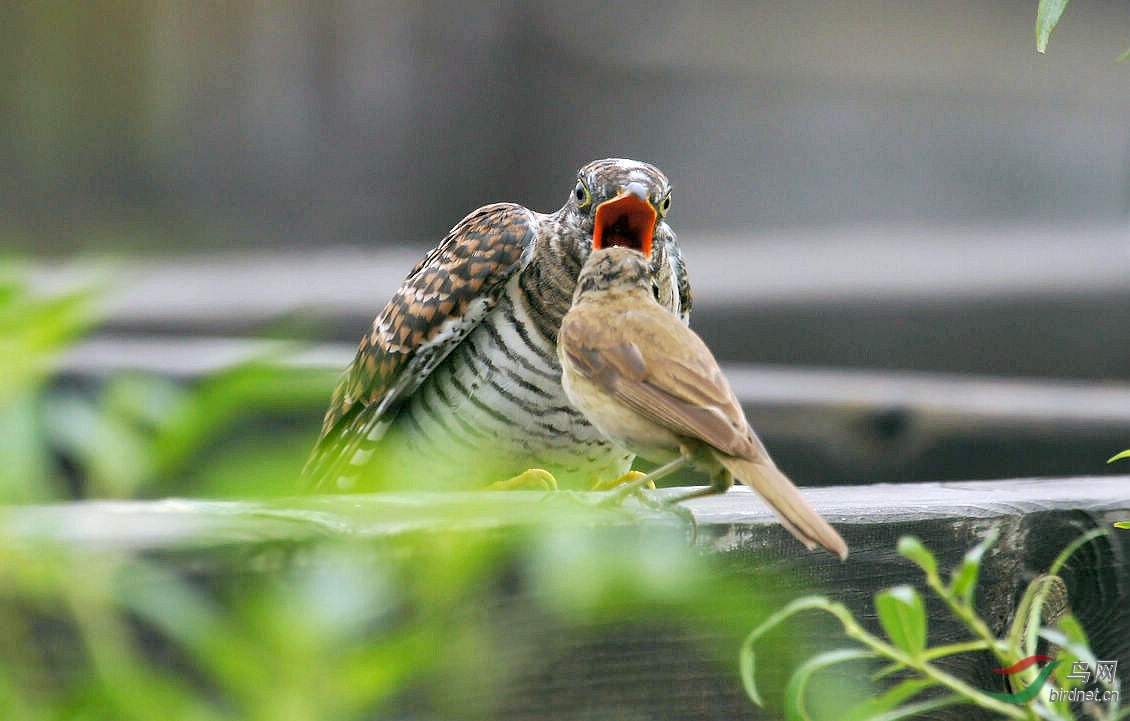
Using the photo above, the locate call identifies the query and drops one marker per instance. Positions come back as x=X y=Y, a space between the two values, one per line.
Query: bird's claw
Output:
x=617 y=482
x=531 y=479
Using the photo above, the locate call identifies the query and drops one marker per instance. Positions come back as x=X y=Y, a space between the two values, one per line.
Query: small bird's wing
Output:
x=445 y=296
x=651 y=362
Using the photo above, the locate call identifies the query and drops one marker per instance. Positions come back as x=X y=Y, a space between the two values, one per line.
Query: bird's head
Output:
x=615 y=270
x=620 y=203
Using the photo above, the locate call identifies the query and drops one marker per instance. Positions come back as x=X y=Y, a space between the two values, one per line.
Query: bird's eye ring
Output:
x=664 y=205
x=582 y=194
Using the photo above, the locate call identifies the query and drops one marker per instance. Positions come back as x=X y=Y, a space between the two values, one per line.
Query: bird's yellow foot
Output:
x=531 y=479
x=617 y=482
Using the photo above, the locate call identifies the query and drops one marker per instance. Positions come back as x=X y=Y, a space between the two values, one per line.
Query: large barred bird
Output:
x=457 y=385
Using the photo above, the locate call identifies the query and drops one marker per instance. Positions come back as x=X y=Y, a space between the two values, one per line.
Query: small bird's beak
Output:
x=628 y=220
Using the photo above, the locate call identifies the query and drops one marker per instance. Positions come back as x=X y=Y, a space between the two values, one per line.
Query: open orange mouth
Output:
x=627 y=221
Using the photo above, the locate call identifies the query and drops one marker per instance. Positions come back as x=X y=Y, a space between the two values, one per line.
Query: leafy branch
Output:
x=902 y=615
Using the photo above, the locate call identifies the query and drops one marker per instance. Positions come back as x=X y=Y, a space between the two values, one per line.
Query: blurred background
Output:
x=171 y=126
x=905 y=228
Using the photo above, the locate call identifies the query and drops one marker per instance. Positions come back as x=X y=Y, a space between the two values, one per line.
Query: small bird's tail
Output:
x=791 y=507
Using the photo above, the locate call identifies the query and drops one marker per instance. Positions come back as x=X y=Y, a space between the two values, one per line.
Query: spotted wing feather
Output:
x=445 y=296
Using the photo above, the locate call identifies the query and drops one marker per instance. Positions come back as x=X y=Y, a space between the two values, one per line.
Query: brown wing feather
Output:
x=438 y=304
x=651 y=362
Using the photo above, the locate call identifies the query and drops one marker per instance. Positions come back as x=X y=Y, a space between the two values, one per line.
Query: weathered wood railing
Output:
x=647 y=669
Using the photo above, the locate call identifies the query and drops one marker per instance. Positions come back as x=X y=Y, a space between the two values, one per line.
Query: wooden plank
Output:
x=172 y=523
x=574 y=666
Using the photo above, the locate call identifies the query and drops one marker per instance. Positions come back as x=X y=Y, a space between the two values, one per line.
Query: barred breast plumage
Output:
x=458 y=384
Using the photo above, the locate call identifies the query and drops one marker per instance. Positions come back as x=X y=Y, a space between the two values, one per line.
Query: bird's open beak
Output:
x=628 y=220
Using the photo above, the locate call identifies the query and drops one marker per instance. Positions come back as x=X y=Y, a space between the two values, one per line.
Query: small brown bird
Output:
x=650 y=384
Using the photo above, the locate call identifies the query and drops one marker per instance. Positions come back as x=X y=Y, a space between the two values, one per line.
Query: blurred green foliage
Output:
x=428 y=625
x=243 y=431
x=33 y=330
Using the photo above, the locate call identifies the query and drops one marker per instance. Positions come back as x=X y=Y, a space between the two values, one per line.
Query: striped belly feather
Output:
x=498 y=399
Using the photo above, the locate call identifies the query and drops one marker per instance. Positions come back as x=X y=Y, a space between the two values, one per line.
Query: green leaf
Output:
x=1125 y=453
x=1122 y=524
x=746 y=658
x=964 y=580
x=1123 y=56
x=903 y=616
x=910 y=547
x=33 y=330
x=1072 y=642
x=1047 y=15
x=890 y=699
x=795 y=709
x=25 y=462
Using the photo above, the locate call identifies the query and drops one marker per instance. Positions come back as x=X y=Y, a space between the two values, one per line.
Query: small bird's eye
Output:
x=664 y=205
x=582 y=194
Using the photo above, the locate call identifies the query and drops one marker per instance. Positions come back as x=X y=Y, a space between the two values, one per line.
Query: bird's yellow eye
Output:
x=582 y=194
x=664 y=205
